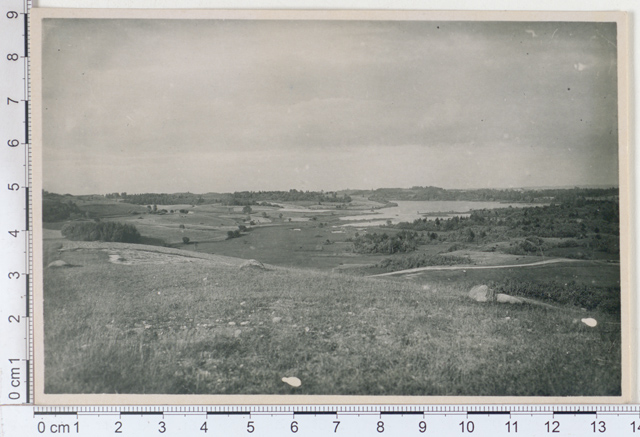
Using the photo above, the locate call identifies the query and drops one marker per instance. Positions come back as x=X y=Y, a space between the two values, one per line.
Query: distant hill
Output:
x=496 y=195
x=59 y=207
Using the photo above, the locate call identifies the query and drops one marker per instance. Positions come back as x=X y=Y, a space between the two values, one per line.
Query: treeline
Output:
x=492 y=195
x=101 y=231
x=238 y=198
x=254 y=197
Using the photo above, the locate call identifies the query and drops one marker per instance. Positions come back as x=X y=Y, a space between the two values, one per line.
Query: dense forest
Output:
x=566 y=220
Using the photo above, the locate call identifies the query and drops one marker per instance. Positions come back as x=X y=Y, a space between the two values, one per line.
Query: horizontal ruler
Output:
x=325 y=420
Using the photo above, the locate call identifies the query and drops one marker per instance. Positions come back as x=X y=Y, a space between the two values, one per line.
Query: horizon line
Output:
x=534 y=188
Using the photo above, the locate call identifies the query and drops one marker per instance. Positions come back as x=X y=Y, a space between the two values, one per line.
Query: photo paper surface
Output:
x=354 y=206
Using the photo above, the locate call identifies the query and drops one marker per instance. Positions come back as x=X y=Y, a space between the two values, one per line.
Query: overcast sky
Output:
x=211 y=105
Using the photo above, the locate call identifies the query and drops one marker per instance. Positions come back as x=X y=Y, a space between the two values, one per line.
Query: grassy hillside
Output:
x=157 y=320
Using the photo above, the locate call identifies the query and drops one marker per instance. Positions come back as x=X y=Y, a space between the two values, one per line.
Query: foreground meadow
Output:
x=123 y=318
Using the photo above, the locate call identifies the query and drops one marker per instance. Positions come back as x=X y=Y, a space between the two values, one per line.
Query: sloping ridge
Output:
x=68 y=246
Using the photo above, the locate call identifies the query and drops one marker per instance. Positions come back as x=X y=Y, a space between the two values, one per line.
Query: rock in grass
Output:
x=292 y=381
x=592 y=323
x=253 y=264
x=505 y=298
x=59 y=263
x=482 y=293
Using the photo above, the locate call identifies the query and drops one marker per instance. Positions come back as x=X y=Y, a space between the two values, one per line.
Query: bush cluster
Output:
x=529 y=246
x=422 y=260
x=55 y=211
x=404 y=241
x=233 y=234
x=101 y=231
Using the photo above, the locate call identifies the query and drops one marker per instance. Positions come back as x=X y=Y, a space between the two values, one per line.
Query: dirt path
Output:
x=506 y=266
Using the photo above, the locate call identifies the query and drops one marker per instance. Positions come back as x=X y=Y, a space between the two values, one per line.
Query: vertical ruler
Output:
x=15 y=236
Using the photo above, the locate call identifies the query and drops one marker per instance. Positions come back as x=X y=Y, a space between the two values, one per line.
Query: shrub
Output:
x=403 y=241
x=54 y=211
x=607 y=244
x=529 y=246
x=185 y=240
x=570 y=242
x=101 y=231
x=233 y=234
x=422 y=260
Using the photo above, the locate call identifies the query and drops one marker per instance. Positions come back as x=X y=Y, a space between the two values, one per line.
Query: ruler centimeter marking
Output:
x=481 y=420
x=316 y=420
x=16 y=318
x=29 y=283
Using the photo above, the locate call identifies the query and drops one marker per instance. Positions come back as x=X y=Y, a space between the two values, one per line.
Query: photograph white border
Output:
x=629 y=355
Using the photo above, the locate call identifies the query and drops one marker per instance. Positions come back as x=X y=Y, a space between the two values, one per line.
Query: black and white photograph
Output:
x=332 y=204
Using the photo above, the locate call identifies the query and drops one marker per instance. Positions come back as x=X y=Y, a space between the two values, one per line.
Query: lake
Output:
x=410 y=210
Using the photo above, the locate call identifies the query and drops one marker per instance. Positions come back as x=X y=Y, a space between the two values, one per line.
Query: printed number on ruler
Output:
x=323 y=421
x=14 y=195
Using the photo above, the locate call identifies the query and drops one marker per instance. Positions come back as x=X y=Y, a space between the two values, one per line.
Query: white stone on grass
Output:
x=592 y=323
x=482 y=293
x=253 y=264
x=58 y=263
x=505 y=298
x=292 y=381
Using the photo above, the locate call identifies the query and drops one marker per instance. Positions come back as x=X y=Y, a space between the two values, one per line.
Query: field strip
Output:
x=506 y=266
x=69 y=246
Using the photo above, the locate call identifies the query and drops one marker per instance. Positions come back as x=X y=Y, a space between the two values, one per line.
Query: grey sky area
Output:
x=209 y=105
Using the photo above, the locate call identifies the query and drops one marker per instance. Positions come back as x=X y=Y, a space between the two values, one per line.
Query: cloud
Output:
x=178 y=93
